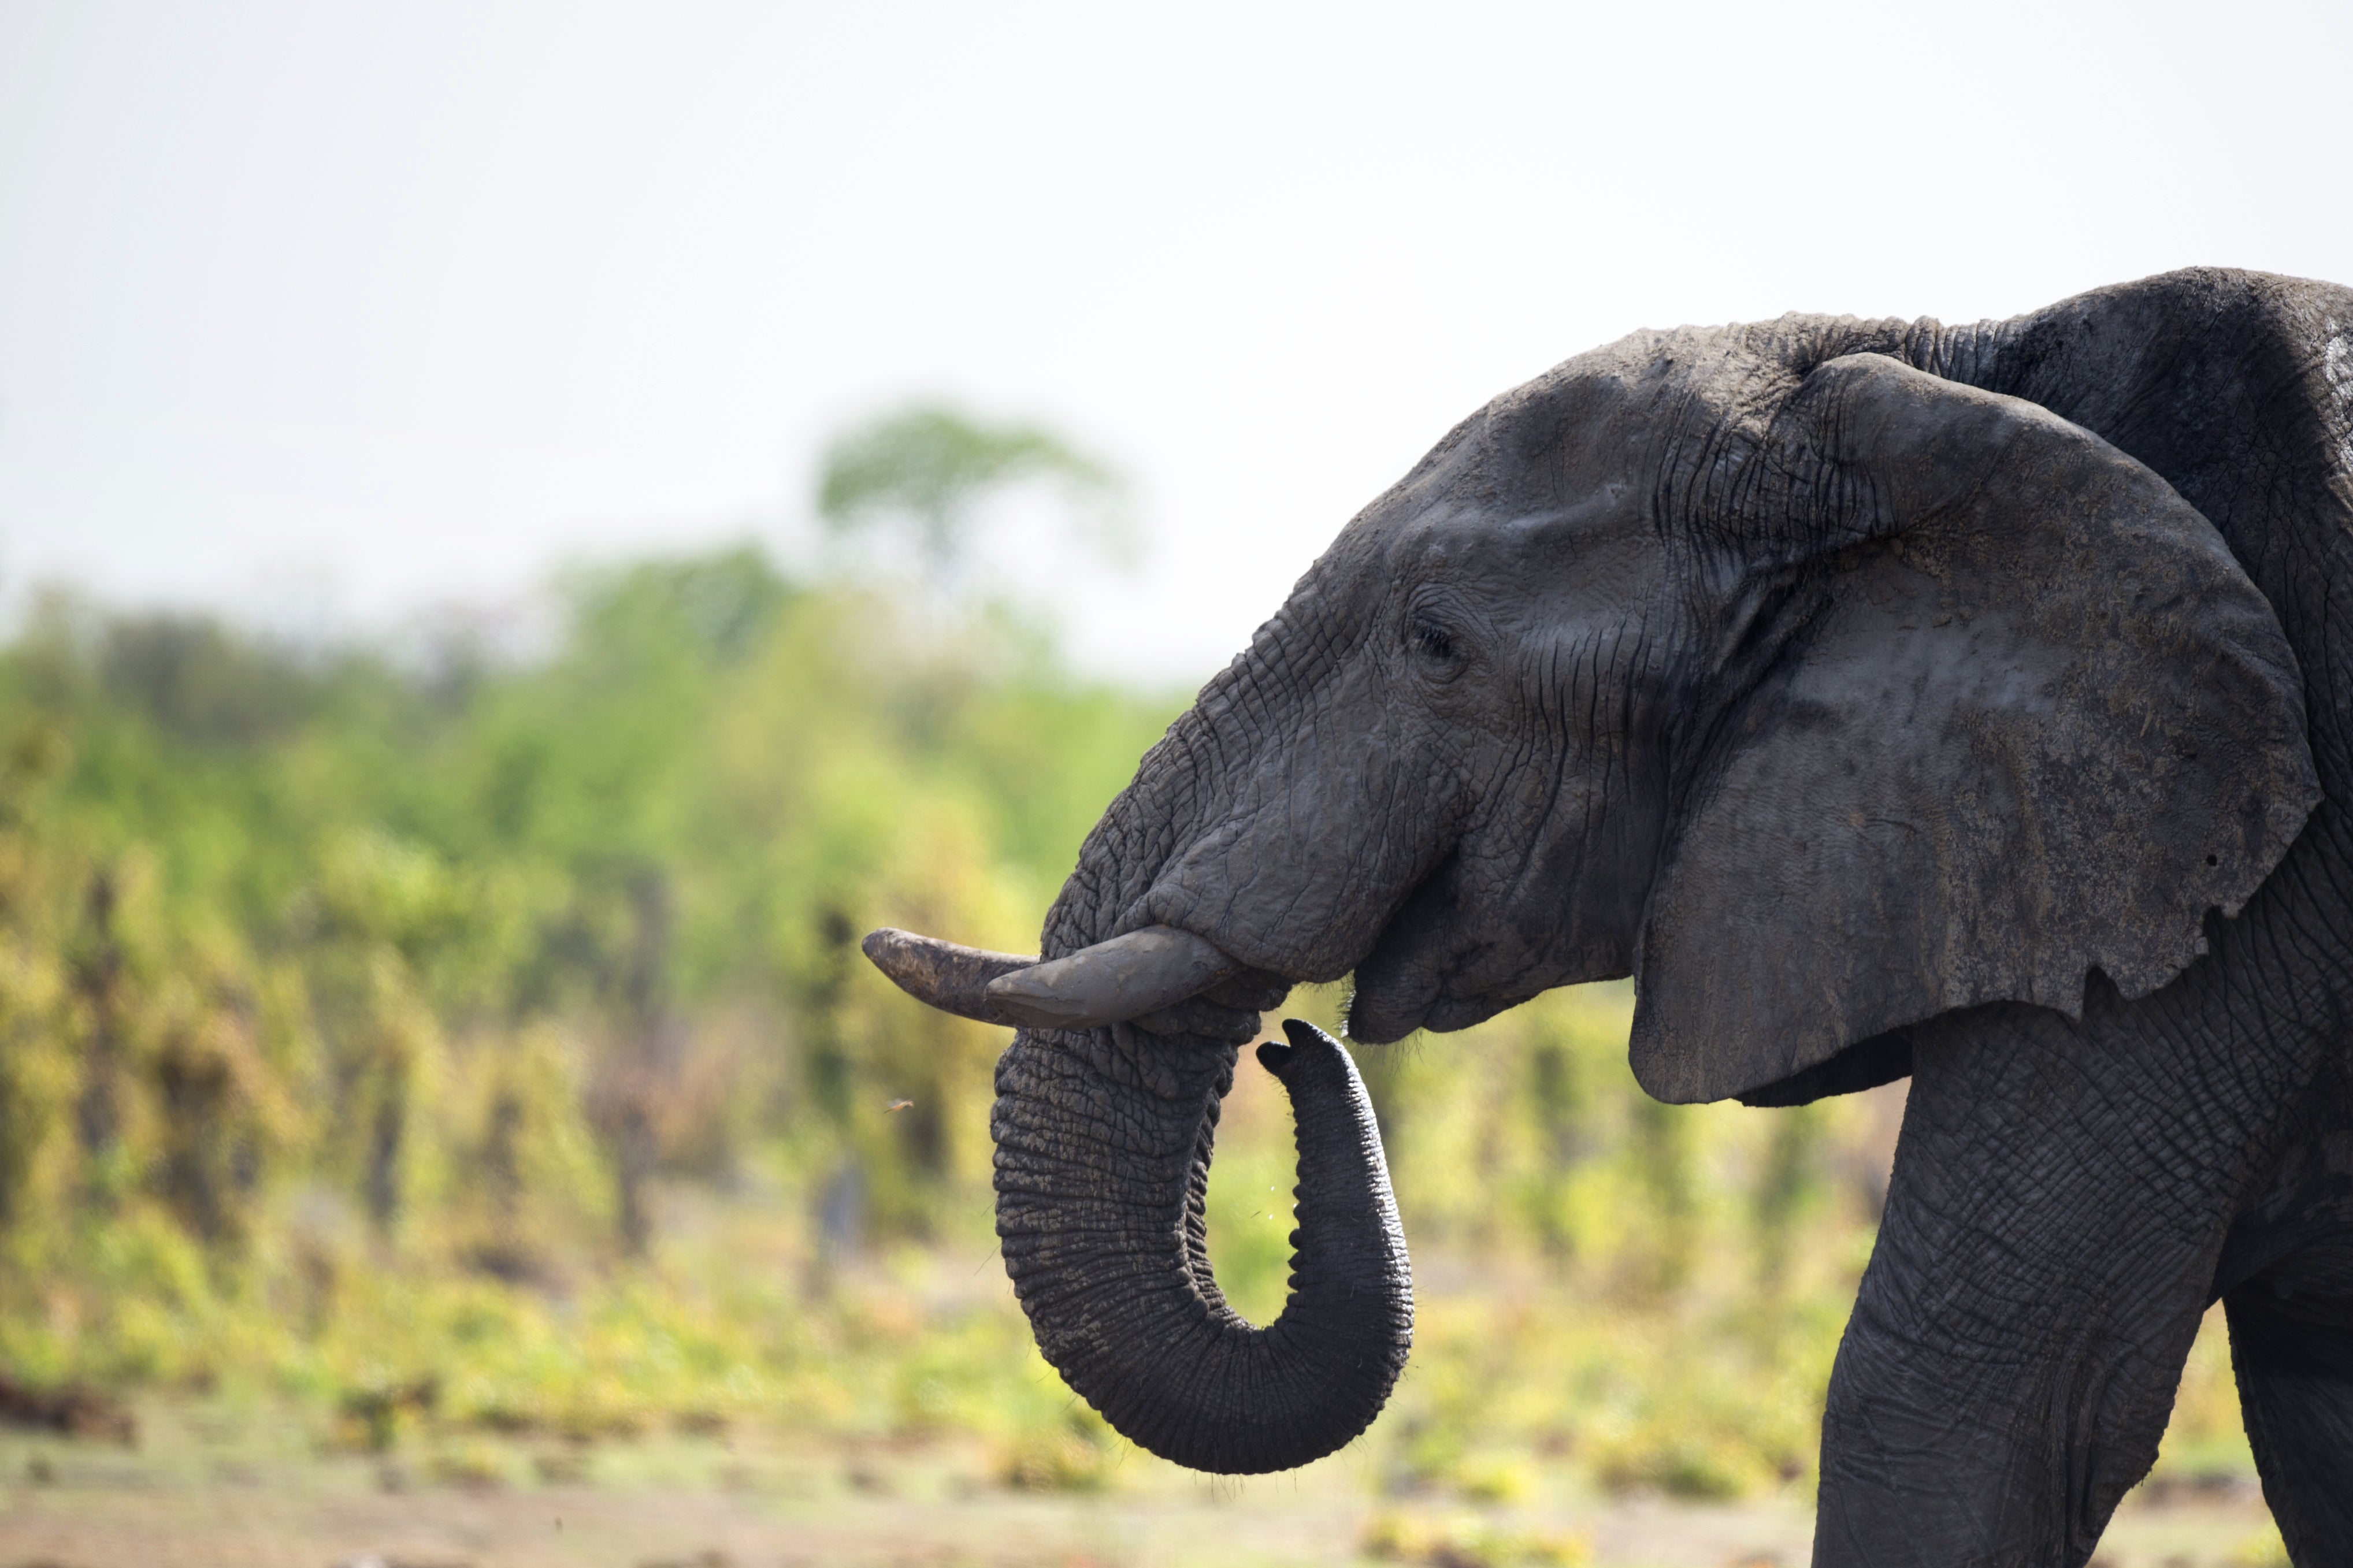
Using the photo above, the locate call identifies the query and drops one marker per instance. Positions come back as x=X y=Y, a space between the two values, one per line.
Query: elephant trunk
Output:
x=1103 y=1141
x=1104 y=1138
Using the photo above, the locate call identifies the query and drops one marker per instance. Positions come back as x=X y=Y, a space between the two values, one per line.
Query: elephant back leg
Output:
x=2061 y=1194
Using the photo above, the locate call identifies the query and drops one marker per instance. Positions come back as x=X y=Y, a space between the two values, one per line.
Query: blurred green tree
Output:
x=358 y=1023
x=924 y=471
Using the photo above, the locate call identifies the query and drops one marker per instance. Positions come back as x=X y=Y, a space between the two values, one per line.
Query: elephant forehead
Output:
x=1629 y=391
x=1558 y=475
x=1595 y=548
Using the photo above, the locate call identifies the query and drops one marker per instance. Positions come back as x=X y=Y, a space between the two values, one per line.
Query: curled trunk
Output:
x=1103 y=1160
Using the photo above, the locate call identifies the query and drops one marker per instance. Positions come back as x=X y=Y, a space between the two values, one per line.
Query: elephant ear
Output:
x=2024 y=717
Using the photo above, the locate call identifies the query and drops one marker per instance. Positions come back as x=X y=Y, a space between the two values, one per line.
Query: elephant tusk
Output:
x=1113 y=981
x=1147 y=973
x=944 y=974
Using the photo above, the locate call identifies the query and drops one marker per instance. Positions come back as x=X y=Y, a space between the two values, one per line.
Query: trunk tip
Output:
x=1305 y=1040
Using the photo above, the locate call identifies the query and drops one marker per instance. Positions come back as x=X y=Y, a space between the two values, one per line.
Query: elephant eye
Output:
x=1432 y=639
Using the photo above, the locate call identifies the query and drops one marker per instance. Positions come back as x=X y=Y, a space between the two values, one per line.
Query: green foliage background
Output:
x=444 y=1043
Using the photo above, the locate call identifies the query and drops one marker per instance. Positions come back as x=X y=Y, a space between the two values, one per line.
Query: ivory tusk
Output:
x=1111 y=981
x=945 y=974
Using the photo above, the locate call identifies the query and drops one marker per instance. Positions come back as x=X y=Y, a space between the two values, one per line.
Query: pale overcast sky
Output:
x=323 y=312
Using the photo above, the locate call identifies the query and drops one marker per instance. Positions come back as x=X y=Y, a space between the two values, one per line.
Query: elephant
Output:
x=1886 y=698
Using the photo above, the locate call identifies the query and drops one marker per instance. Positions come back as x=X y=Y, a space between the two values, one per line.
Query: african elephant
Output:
x=1971 y=702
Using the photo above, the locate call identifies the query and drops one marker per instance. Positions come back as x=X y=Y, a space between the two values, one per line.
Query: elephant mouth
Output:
x=1400 y=984
x=1403 y=985
x=1435 y=965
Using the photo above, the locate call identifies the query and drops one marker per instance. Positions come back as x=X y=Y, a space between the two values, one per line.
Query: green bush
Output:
x=455 y=1045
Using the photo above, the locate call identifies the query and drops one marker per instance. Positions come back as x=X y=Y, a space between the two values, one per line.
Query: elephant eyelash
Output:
x=1432 y=639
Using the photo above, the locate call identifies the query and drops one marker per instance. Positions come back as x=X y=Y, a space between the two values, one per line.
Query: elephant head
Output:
x=1820 y=691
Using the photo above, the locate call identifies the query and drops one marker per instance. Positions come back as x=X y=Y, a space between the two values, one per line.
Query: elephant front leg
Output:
x=2285 y=1278
x=2293 y=1352
x=2060 y=1196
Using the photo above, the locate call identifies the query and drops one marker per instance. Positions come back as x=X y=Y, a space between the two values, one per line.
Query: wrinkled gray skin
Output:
x=1970 y=702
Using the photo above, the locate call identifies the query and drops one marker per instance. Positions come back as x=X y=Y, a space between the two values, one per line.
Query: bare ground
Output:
x=253 y=1489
